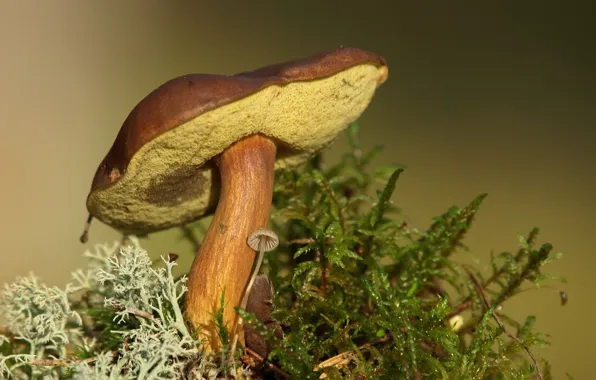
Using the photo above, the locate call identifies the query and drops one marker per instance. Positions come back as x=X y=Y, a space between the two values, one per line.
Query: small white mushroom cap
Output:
x=263 y=239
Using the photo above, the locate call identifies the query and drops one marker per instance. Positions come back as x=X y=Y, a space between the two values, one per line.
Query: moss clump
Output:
x=359 y=294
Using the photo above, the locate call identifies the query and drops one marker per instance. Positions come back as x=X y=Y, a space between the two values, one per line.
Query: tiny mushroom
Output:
x=201 y=142
x=262 y=240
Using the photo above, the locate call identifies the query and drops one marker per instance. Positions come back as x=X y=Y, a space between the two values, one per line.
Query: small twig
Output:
x=59 y=362
x=344 y=358
x=133 y=311
x=268 y=365
x=63 y=362
x=500 y=323
x=85 y=235
x=140 y=313
x=382 y=339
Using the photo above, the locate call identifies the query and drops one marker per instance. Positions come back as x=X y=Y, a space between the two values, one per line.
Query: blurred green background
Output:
x=493 y=97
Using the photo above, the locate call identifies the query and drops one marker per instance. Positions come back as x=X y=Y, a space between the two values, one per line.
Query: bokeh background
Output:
x=493 y=97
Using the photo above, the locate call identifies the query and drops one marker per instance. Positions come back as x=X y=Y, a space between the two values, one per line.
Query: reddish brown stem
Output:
x=224 y=261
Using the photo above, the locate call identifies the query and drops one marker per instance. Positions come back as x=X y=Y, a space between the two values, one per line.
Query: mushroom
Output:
x=201 y=142
x=261 y=241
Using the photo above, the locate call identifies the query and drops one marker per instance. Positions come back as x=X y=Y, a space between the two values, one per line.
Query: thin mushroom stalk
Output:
x=223 y=263
x=262 y=240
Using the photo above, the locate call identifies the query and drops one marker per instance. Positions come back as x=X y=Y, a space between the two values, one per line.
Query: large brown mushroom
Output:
x=200 y=142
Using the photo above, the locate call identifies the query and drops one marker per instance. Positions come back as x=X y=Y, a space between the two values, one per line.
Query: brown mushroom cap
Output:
x=157 y=173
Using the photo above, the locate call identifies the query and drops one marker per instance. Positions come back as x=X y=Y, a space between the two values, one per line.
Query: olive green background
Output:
x=497 y=97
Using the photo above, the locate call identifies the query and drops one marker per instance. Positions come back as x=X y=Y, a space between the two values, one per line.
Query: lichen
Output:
x=121 y=318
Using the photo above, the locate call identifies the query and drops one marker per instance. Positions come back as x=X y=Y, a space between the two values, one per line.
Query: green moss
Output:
x=352 y=278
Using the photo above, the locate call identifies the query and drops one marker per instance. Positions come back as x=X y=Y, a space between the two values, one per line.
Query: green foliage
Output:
x=360 y=289
x=360 y=294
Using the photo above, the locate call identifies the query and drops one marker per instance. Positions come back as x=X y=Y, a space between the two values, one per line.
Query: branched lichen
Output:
x=41 y=323
x=122 y=297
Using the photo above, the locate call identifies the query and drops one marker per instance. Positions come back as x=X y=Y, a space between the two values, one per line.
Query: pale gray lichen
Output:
x=43 y=325
x=41 y=320
x=100 y=369
x=38 y=314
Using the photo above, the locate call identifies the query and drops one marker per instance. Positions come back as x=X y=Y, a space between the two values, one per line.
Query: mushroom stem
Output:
x=224 y=261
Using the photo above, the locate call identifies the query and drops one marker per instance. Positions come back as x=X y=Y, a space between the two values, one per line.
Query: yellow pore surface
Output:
x=166 y=182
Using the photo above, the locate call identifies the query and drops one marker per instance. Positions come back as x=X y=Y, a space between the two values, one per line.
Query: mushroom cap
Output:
x=158 y=173
x=263 y=239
